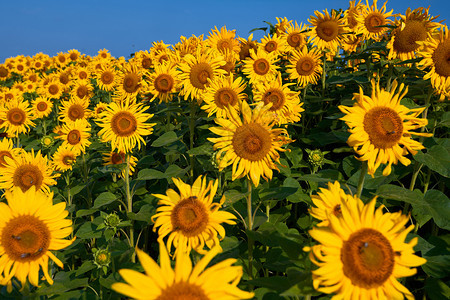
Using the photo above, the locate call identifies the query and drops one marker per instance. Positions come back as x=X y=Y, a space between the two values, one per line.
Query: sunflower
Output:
x=106 y=77
x=436 y=55
x=124 y=124
x=246 y=45
x=27 y=170
x=129 y=83
x=371 y=21
x=223 y=92
x=114 y=158
x=219 y=281
x=104 y=54
x=7 y=150
x=328 y=202
x=53 y=89
x=285 y=104
x=274 y=44
x=195 y=70
x=7 y=94
x=4 y=72
x=74 y=109
x=414 y=27
x=42 y=107
x=162 y=82
x=305 y=66
x=350 y=14
x=223 y=40
x=362 y=253
x=190 y=218
x=188 y=45
x=64 y=157
x=351 y=43
x=251 y=146
x=81 y=73
x=260 y=66
x=143 y=59
x=62 y=59
x=282 y=25
x=296 y=36
x=82 y=90
x=64 y=77
x=30 y=227
x=99 y=109
x=380 y=126
x=76 y=134
x=327 y=31
x=74 y=55
x=16 y=116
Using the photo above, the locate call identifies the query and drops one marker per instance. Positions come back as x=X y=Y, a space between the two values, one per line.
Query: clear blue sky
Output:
x=123 y=27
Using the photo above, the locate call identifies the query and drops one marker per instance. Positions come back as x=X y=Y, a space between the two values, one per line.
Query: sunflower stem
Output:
x=250 y=228
x=129 y=204
x=191 y=137
x=362 y=176
x=324 y=74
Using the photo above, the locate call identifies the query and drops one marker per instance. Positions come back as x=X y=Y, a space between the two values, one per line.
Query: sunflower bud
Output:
x=316 y=158
x=47 y=141
x=112 y=220
x=102 y=258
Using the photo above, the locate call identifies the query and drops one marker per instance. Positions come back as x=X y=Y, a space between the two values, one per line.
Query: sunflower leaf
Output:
x=437 y=159
x=165 y=139
x=104 y=198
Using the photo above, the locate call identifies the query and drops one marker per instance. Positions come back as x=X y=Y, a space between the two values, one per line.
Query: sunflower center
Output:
x=3 y=154
x=3 y=72
x=224 y=44
x=183 y=291
x=368 y=258
x=131 y=83
x=146 y=63
x=327 y=30
x=123 y=124
x=68 y=159
x=295 y=39
x=163 y=58
x=251 y=142
x=82 y=91
x=25 y=238
x=245 y=50
x=73 y=56
x=199 y=75
x=53 y=89
x=384 y=127
x=163 y=83
x=107 y=77
x=42 y=106
x=117 y=158
x=26 y=176
x=405 y=40
x=190 y=217
x=76 y=111
x=261 y=66
x=74 y=137
x=373 y=20
x=305 y=66
x=271 y=46
x=83 y=75
x=441 y=58
x=16 y=116
x=224 y=97
x=276 y=97
x=9 y=96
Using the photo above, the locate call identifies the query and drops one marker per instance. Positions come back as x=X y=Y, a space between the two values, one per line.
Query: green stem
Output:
x=417 y=167
x=324 y=74
x=129 y=203
x=191 y=137
x=362 y=176
x=250 y=228
x=390 y=72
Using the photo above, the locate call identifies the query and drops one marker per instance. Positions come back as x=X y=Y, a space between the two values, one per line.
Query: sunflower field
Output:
x=312 y=163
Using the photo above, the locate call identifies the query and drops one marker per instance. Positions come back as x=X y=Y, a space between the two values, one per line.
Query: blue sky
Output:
x=123 y=27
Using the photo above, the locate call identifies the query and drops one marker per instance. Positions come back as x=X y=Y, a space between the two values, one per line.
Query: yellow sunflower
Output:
x=380 y=126
x=362 y=253
x=162 y=82
x=282 y=25
x=223 y=40
x=74 y=55
x=219 y=281
x=42 y=107
x=82 y=90
x=351 y=43
x=16 y=116
x=350 y=14
x=4 y=72
x=114 y=158
x=99 y=109
x=414 y=27
x=74 y=109
x=246 y=45
x=260 y=66
x=124 y=125
x=27 y=170
x=81 y=73
x=129 y=83
x=62 y=59
x=106 y=77
x=250 y=145
x=223 y=92
x=328 y=202
x=188 y=45
x=64 y=77
x=190 y=218
x=370 y=19
x=52 y=89
x=326 y=30
x=76 y=134
x=305 y=66
x=195 y=70
x=286 y=106
x=296 y=36
x=30 y=228
x=143 y=59
x=275 y=44
x=64 y=157
x=436 y=55
x=7 y=150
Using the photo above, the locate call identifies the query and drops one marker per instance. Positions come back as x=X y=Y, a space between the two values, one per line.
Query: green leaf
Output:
x=436 y=289
x=63 y=282
x=389 y=191
x=205 y=149
x=438 y=206
x=144 y=214
x=174 y=171
x=276 y=193
x=85 y=212
x=437 y=159
x=165 y=139
x=88 y=231
x=232 y=196
x=104 y=198
x=85 y=267
x=149 y=174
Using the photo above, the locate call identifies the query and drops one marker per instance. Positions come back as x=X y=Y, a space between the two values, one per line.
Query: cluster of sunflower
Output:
x=256 y=94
